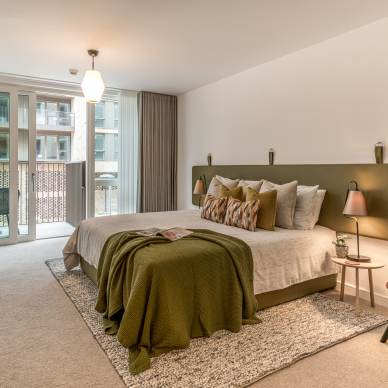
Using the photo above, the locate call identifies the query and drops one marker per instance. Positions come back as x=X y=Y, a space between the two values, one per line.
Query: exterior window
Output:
x=116 y=114
x=52 y=113
x=4 y=146
x=40 y=148
x=64 y=147
x=100 y=115
x=51 y=148
x=40 y=113
x=4 y=110
x=23 y=109
x=99 y=146
x=64 y=109
x=116 y=147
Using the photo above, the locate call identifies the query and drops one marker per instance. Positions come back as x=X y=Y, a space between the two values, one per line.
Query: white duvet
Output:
x=281 y=258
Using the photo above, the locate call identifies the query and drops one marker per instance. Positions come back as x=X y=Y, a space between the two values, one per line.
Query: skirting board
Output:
x=350 y=289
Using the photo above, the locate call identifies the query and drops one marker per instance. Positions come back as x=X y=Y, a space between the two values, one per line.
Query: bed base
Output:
x=267 y=299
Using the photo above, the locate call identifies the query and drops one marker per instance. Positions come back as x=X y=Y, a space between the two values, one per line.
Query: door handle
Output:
x=33 y=182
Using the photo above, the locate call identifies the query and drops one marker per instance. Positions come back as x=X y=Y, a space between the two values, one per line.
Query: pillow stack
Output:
x=262 y=204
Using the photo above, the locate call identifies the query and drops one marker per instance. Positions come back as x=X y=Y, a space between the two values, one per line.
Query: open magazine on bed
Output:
x=172 y=234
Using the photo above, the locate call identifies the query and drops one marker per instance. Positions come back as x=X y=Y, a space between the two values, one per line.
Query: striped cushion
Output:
x=214 y=208
x=242 y=214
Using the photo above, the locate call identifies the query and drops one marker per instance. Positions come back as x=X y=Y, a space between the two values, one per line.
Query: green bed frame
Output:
x=372 y=179
x=266 y=299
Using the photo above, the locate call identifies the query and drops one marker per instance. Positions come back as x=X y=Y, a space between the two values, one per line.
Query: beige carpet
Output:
x=44 y=341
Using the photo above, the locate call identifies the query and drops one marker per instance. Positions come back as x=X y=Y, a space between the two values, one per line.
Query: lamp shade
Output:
x=93 y=86
x=355 y=204
x=199 y=187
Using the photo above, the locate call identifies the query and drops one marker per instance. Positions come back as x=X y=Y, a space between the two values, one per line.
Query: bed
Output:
x=287 y=263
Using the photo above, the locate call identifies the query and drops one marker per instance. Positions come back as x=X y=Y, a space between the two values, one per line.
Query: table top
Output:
x=373 y=264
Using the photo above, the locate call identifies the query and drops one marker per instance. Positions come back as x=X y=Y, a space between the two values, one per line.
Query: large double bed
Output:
x=217 y=278
x=287 y=263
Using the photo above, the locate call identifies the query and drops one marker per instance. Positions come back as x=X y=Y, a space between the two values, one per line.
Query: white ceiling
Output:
x=167 y=46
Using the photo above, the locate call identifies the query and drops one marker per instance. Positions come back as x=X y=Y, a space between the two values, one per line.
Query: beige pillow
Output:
x=286 y=200
x=318 y=204
x=217 y=181
x=242 y=214
x=304 y=207
x=254 y=185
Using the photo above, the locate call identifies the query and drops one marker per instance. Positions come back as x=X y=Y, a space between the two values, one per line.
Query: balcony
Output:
x=51 y=205
x=45 y=120
x=54 y=120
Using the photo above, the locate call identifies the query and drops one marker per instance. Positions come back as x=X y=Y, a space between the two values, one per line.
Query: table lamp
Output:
x=355 y=207
x=200 y=189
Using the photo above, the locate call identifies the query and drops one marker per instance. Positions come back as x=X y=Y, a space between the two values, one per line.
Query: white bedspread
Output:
x=281 y=258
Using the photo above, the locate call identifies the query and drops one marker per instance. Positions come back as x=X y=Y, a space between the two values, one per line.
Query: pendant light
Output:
x=92 y=85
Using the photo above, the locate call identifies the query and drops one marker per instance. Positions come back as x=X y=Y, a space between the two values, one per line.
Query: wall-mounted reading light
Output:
x=271 y=156
x=379 y=152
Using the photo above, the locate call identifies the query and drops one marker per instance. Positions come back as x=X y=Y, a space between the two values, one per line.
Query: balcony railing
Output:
x=50 y=191
x=47 y=119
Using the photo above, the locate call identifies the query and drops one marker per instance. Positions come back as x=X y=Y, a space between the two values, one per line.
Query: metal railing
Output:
x=50 y=191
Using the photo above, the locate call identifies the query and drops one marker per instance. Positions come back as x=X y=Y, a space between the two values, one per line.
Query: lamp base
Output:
x=362 y=259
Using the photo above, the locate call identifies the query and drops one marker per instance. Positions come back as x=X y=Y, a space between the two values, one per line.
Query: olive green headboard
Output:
x=372 y=180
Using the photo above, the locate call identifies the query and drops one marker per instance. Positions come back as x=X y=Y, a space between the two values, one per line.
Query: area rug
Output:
x=288 y=333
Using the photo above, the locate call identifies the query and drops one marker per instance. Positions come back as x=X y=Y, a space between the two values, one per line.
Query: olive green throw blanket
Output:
x=157 y=294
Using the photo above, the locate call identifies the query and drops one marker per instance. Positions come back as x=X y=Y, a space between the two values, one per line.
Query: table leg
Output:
x=357 y=289
x=384 y=338
x=342 y=283
x=372 y=294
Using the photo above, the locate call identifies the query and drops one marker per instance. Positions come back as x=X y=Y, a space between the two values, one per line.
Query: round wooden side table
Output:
x=357 y=266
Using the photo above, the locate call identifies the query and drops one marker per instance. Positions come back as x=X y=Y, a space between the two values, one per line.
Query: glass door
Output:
x=17 y=165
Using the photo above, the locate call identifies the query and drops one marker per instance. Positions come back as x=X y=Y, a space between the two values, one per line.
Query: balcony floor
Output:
x=47 y=230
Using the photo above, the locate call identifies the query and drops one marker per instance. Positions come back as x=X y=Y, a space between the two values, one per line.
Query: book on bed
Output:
x=172 y=234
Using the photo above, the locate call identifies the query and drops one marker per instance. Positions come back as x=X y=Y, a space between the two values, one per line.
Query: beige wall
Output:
x=325 y=104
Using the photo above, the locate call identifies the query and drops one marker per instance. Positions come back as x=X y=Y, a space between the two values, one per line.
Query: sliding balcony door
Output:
x=17 y=165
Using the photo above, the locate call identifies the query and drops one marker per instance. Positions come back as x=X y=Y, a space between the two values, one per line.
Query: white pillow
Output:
x=255 y=185
x=305 y=207
x=318 y=204
x=285 y=205
x=218 y=181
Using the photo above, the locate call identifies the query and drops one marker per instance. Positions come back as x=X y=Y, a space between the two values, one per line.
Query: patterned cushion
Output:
x=214 y=208
x=242 y=214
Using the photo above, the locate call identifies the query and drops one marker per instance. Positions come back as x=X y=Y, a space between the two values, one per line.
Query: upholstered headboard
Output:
x=372 y=180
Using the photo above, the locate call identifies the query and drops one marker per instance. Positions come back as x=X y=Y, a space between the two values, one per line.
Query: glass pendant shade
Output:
x=93 y=86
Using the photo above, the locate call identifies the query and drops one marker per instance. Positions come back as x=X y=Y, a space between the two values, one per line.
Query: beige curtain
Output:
x=157 y=186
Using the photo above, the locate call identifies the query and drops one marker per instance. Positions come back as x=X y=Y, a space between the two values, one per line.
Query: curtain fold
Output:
x=128 y=153
x=157 y=187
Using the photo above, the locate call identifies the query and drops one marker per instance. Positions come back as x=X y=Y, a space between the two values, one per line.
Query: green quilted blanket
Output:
x=156 y=294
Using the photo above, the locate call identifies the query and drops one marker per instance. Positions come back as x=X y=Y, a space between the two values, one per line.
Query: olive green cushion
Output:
x=267 y=211
x=235 y=192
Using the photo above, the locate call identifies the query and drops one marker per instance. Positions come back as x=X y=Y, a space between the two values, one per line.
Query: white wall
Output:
x=325 y=104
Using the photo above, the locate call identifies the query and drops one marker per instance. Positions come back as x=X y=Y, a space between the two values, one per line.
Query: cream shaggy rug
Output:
x=288 y=333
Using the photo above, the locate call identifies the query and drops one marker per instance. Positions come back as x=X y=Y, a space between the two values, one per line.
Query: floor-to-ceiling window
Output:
x=4 y=164
x=106 y=155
